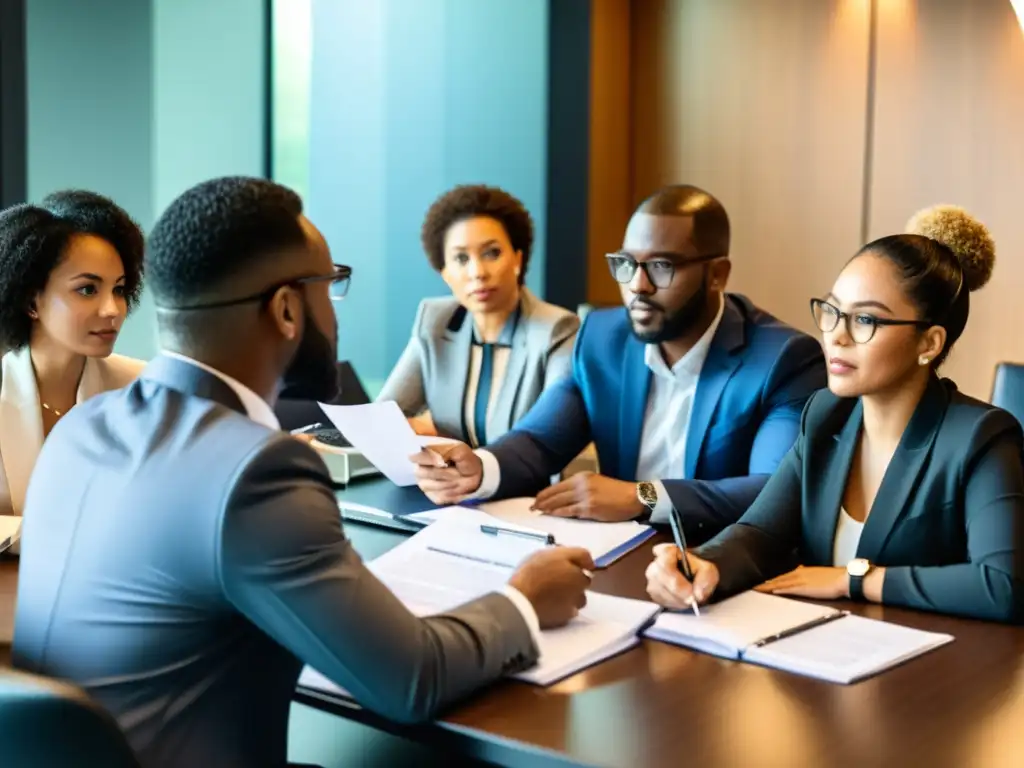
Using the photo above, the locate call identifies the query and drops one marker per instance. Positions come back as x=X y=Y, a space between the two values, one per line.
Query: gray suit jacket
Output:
x=947 y=523
x=181 y=562
x=431 y=374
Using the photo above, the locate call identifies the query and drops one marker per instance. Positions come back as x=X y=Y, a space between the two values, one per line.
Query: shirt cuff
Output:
x=664 y=506
x=526 y=609
x=490 y=479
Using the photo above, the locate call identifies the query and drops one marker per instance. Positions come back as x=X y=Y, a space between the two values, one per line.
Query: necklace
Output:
x=52 y=410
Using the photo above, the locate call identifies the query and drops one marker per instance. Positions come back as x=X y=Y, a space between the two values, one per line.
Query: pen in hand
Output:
x=683 y=563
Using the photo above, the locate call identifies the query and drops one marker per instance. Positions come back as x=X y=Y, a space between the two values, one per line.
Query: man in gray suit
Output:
x=182 y=557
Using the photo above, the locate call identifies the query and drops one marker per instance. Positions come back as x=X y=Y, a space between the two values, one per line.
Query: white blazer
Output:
x=21 y=416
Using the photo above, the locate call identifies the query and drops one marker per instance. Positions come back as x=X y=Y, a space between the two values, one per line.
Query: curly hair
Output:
x=216 y=230
x=33 y=240
x=471 y=200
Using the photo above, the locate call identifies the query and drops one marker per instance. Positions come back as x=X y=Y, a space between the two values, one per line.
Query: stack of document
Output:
x=803 y=638
x=10 y=532
x=606 y=542
x=451 y=563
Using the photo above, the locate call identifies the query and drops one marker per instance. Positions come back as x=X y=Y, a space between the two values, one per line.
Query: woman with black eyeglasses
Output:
x=899 y=490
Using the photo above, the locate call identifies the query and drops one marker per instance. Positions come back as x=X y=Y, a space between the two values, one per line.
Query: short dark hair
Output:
x=215 y=231
x=711 y=231
x=468 y=201
x=33 y=240
x=945 y=255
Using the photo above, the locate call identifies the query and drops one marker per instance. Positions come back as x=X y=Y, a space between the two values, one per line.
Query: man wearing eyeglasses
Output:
x=183 y=557
x=692 y=396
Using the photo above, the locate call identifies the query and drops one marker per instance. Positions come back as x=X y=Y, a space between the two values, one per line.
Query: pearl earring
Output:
x=922 y=360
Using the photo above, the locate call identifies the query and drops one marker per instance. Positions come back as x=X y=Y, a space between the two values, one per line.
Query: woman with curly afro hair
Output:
x=900 y=490
x=477 y=361
x=70 y=271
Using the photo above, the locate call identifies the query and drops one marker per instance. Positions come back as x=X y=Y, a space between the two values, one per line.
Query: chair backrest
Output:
x=294 y=414
x=48 y=722
x=1008 y=389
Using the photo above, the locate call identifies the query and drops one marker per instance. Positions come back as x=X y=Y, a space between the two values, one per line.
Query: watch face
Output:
x=858 y=567
x=648 y=496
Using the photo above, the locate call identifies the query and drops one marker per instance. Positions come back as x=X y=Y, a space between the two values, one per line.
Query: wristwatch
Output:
x=647 y=494
x=858 y=568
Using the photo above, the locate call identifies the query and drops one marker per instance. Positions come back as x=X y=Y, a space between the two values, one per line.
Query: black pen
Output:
x=800 y=628
x=495 y=530
x=683 y=564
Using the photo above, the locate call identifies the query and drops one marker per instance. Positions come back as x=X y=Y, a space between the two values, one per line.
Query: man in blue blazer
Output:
x=692 y=396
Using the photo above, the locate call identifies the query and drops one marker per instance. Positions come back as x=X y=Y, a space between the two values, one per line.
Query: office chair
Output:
x=1008 y=389
x=45 y=722
x=294 y=413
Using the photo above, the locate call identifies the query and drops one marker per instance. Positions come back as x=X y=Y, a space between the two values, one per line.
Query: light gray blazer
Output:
x=21 y=417
x=181 y=562
x=431 y=374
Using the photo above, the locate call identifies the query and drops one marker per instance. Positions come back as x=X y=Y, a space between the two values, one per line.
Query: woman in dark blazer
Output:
x=478 y=361
x=899 y=490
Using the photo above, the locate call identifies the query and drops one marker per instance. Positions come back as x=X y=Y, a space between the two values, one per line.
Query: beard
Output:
x=674 y=324
x=313 y=372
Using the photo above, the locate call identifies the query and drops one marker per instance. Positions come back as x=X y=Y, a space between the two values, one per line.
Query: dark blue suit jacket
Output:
x=757 y=377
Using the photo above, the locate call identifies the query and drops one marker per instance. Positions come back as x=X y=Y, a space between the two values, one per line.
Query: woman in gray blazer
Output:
x=899 y=490
x=476 y=362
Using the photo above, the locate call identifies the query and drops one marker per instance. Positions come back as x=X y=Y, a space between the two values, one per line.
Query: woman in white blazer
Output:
x=70 y=270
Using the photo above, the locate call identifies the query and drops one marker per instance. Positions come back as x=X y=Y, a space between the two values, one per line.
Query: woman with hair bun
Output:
x=900 y=490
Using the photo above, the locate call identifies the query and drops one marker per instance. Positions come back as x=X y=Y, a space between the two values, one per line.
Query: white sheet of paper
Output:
x=728 y=627
x=848 y=649
x=598 y=538
x=382 y=434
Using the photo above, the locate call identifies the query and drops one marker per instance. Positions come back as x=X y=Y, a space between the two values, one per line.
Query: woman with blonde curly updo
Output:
x=900 y=490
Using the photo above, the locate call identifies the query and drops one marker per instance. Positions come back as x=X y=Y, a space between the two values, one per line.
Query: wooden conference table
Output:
x=659 y=705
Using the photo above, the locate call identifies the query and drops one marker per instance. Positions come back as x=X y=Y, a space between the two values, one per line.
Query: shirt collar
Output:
x=692 y=362
x=507 y=330
x=256 y=408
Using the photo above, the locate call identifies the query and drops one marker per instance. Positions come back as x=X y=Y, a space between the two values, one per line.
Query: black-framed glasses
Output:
x=860 y=326
x=340 y=279
x=659 y=270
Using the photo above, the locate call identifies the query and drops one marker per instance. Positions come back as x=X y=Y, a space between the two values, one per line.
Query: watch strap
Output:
x=856 y=587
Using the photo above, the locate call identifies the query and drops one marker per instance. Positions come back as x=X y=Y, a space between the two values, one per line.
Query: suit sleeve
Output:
x=287 y=565
x=547 y=438
x=707 y=506
x=405 y=383
x=764 y=542
x=991 y=584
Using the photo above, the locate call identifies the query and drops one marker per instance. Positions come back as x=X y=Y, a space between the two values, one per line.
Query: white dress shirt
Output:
x=844 y=546
x=666 y=421
x=257 y=409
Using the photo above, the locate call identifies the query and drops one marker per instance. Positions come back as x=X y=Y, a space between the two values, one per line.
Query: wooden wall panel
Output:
x=610 y=198
x=949 y=128
x=762 y=103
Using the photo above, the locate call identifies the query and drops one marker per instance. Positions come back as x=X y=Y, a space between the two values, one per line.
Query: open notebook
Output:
x=10 y=531
x=606 y=542
x=448 y=564
x=798 y=637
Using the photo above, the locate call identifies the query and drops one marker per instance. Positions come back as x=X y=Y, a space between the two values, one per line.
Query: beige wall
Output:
x=765 y=103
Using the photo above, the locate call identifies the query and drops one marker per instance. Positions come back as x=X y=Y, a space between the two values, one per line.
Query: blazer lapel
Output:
x=453 y=363
x=718 y=368
x=904 y=470
x=825 y=496
x=514 y=334
x=21 y=423
x=636 y=383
